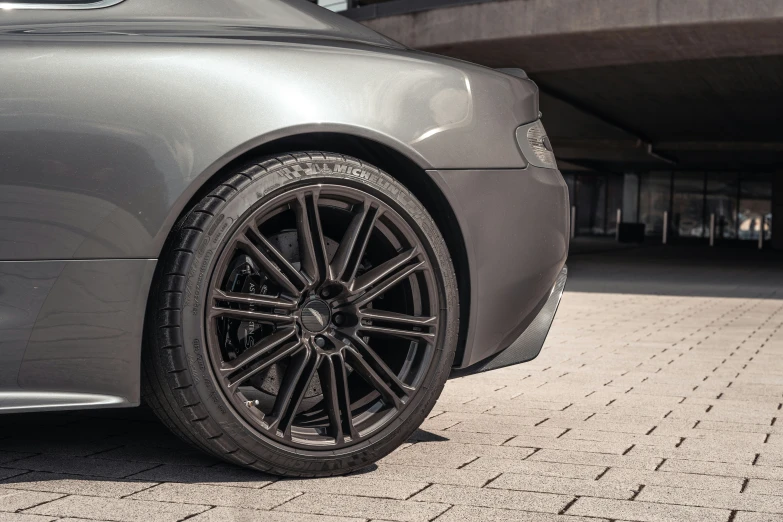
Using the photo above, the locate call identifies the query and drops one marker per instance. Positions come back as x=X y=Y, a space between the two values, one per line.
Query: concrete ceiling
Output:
x=631 y=84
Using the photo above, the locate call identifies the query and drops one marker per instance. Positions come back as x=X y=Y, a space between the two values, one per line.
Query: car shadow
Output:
x=118 y=451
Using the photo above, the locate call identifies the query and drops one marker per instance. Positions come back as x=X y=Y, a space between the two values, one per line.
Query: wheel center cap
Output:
x=316 y=316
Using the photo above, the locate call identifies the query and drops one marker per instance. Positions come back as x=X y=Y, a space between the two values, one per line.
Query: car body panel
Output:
x=72 y=327
x=515 y=224
x=115 y=161
x=112 y=120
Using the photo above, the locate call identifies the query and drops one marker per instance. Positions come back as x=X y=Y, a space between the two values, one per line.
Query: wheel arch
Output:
x=409 y=169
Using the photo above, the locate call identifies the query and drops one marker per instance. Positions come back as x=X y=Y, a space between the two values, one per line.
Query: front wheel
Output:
x=304 y=317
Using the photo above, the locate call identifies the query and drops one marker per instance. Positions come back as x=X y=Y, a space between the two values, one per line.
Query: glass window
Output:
x=654 y=200
x=590 y=204
x=688 y=205
x=722 y=190
x=334 y=5
x=755 y=207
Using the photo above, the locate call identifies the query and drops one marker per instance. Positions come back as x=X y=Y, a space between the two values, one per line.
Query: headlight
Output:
x=536 y=146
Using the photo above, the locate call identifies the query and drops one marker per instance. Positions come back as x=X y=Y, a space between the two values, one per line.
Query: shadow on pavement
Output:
x=688 y=271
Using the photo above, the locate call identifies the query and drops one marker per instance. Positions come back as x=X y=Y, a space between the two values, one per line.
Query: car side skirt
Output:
x=28 y=401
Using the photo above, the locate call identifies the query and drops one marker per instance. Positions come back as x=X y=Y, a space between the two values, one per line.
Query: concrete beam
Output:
x=547 y=35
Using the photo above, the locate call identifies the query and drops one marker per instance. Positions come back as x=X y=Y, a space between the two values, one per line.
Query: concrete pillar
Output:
x=630 y=198
x=777 y=211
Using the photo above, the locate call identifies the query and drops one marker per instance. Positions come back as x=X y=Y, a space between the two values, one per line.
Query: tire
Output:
x=328 y=403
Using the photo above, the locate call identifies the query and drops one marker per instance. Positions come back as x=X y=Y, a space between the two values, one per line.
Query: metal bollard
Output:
x=712 y=229
x=617 y=226
x=665 y=226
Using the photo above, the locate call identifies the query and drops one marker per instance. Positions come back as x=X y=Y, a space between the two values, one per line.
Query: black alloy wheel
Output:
x=317 y=318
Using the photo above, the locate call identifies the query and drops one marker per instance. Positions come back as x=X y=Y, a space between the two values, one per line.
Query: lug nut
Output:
x=320 y=342
x=325 y=293
x=339 y=319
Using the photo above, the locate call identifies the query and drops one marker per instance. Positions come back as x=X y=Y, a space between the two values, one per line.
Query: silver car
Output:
x=280 y=230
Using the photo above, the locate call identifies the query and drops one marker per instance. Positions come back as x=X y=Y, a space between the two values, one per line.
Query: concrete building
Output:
x=653 y=106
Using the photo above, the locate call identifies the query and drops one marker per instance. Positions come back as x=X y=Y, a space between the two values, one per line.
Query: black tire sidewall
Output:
x=267 y=181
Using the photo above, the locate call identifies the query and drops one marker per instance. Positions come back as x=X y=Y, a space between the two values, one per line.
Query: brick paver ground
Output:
x=657 y=398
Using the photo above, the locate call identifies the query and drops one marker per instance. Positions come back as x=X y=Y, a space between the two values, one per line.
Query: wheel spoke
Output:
x=375 y=371
x=294 y=275
x=312 y=248
x=396 y=332
x=381 y=271
x=401 y=319
x=272 y=269
x=331 y=399
x=259 y=349
x=334 y=383
x=253 y=300
x=293 y=389
x=276 y=355
x=351 y=251
x=391 y=324
x=384 y=282
x=250 y=315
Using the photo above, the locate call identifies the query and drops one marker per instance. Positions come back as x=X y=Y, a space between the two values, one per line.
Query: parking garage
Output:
x=663 y=114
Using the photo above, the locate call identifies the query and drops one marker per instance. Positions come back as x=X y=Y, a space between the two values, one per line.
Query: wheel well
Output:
x=397 y=165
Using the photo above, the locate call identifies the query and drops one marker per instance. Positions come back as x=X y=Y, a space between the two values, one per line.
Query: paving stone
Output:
x=674 y=479
x=360 y=486
x=455 y=477
x=158 y=455
x=713 y=499
x=10 y=456
x=628 y=438
x=23 y=517
x=450 y=455
x=226 y=514
x=57 y=446
x=92 y=467
x=224 y=475
x=75 y=484
x=743 y=516
x=14 y=500
x=487 y=497
x=362 y=507
x=765 y=487
x=120 y=510
x=645 y=511
x=737 y=457
x=461 y=437
x=564 y=486
x=554 y=469
x=767 y=459
x=589 y=446
x=498 y=424
x=596 y=459
x=8 y=473
x=216 y=495
x=723 y=469
x=483 y=514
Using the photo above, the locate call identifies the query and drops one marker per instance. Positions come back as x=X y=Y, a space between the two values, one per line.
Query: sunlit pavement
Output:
x=657 y=398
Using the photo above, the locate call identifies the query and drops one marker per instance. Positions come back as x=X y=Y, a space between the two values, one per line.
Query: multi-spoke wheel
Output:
x=306 y=317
